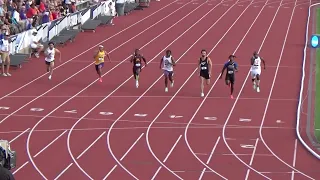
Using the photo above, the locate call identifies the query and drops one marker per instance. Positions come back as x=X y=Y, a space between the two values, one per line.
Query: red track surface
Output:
x=86 y=144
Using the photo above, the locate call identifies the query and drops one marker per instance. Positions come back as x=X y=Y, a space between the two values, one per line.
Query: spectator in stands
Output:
x=45 y=17
x=36 y=47
x=72 y=7
x=120 y=7
x=4 y=51
x=23 y=15
x=54 y=12
x=32 y=11
x=42 y=6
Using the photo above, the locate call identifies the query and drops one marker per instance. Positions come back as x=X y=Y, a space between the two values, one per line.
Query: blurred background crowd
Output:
x=20 y=15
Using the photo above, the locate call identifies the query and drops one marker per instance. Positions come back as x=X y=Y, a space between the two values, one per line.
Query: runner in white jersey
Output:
x=166 y=63
x=50 y=57
x=256 y=70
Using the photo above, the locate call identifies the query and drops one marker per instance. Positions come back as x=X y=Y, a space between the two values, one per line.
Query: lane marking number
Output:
x=247 y=146
x=5 y=108
x=71 y=111
x=140 y=115
x=36 y=109
x=175 y=116
x=210 y=118
x=105 y=113
x=244 y=120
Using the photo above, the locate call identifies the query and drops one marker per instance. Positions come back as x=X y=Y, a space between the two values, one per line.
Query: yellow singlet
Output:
x=99 y=58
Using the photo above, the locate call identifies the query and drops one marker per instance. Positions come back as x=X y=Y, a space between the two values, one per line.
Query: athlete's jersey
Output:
x=50 y=54
x=137 y=60
x=256 y=63
x=204 y=65
x=167 y=63
x=99 y=57
x=231 y=67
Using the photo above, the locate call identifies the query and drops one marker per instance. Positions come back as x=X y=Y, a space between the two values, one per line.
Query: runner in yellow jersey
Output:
x=99 y=60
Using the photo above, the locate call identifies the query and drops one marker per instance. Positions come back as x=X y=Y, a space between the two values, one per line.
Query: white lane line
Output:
x=96 y=140
x=210 y=156
x=252 y=156
x=77 y=56
x=59 y=175
x=19 y=135
x=294 y=158
x=124 y=155
x=166 y=158
x=17 y=170
x=50 y=143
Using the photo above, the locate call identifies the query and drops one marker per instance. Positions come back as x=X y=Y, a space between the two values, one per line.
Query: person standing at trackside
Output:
x=50 y=57
x=35 y=45
x=205 y=67
x=166 y=63
x=136 y=59
x=256 y=70
x=5 y=174
x=120 y=7
x=99 y=60
x=231 y=68
x=5 y=52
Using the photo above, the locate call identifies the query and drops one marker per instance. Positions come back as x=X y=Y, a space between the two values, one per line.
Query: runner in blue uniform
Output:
x=231 y=66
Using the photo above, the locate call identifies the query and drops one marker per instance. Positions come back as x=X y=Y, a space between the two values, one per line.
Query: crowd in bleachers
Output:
x=20 y=15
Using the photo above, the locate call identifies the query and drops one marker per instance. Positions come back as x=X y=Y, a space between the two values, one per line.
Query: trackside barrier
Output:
x=302 y=86
x=47 y=31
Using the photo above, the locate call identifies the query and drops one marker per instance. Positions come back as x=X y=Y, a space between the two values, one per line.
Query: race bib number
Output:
x=255 y=67
x=100 y=59
x=138 y=64
x=203 y=68
x=230 y=72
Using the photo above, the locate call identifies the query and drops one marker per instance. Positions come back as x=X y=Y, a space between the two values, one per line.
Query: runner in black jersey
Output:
x=205 y=66
x=231 y=68
x=137 y=59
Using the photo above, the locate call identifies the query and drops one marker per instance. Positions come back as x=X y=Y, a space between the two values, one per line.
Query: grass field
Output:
x=317 y=104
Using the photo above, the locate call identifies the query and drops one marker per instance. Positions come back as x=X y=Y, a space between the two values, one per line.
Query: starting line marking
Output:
x=106 y=113
x=5 y=108
x=244 y=120
x=247 y=146
x=36 y=109
x=71 y=111
x=211 y=118
x=174 y=116
x=140 y=115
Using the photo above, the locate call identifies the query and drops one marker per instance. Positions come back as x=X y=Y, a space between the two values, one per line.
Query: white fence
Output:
x=51 y=29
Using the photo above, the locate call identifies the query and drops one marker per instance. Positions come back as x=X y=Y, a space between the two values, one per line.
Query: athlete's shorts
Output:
x=48 y=63
x=99 y=66
x=168 y=73
x=205 y=74
x=255 y=71
x=136 y=70
x=230 y=77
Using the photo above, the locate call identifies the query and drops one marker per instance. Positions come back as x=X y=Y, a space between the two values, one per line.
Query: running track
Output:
x=113 y=130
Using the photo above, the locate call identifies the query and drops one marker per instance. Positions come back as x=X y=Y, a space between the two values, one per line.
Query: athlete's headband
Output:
x=100 y=46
